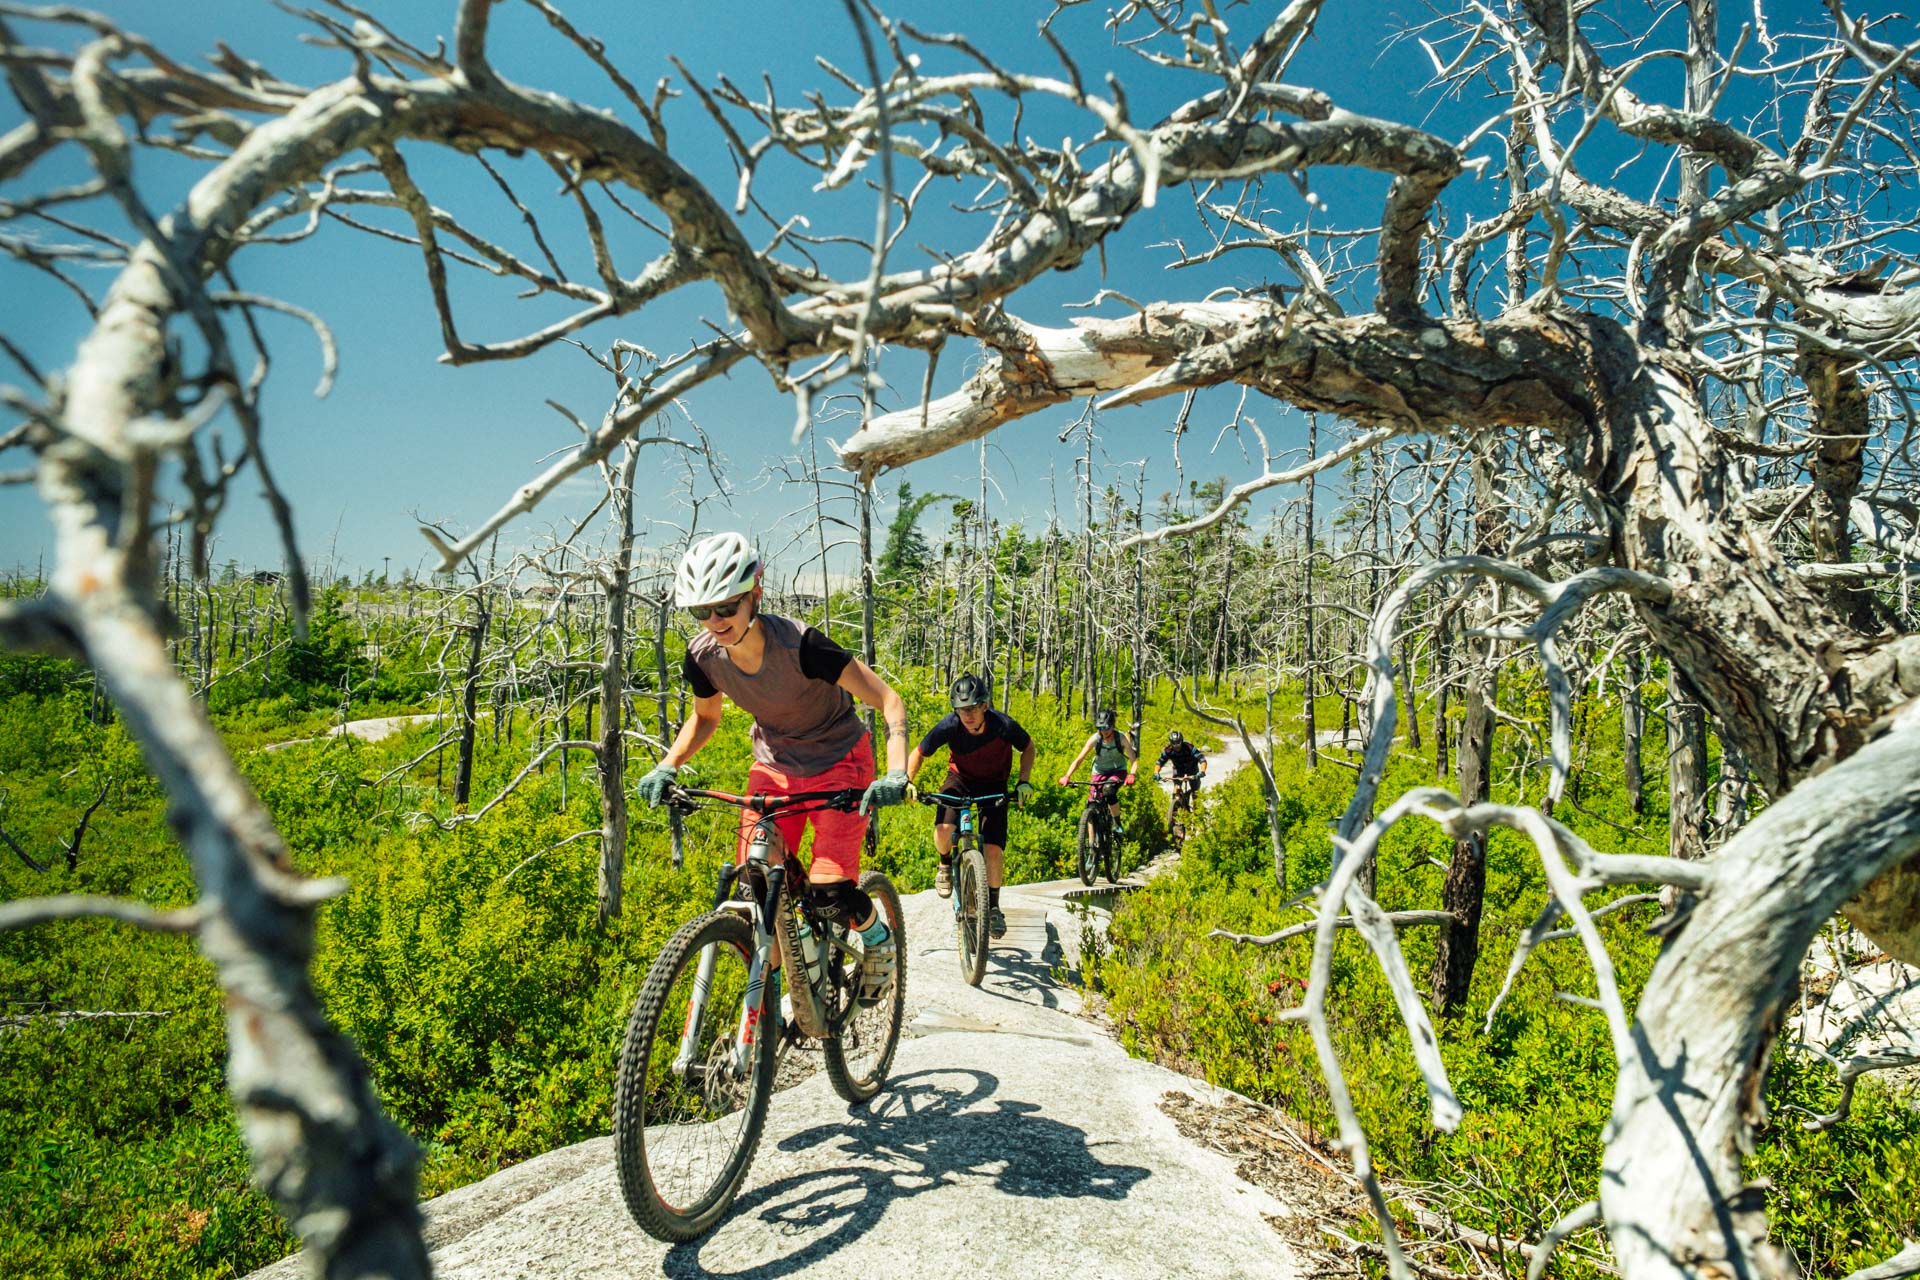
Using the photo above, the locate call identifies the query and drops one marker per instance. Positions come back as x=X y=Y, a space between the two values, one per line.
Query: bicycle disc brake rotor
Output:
x=722 y=1087
x=855 y=1021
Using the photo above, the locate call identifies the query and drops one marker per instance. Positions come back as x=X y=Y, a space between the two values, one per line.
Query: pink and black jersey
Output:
x=984 y=759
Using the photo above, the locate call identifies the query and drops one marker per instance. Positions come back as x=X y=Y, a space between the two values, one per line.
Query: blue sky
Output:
x=402 y=434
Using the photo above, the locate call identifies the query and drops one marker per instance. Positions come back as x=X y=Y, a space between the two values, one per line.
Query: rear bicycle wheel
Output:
x=858 y=1057
x=970 y=919
x=1110 y=852
x=682 y=1139
x=1089 y=847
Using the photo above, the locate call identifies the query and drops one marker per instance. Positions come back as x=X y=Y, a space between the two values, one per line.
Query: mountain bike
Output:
x=697 y=1066
x=969 y=884
x=1099 y=847
x=1185 y=787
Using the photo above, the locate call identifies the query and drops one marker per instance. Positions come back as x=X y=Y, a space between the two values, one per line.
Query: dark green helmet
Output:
x=1104 y=719
x=968 y=691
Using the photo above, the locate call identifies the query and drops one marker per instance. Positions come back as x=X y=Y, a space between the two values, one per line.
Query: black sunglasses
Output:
x=725 y=609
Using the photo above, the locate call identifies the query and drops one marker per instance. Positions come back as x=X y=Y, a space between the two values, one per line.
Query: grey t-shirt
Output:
x=1111 y=757
x=803 y=722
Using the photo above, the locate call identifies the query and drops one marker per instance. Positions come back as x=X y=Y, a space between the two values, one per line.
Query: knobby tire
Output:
x=858 y=1057
x=682 y=1146
x=970 y=888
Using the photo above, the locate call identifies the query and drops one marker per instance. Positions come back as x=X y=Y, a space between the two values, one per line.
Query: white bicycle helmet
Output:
x=718 y=567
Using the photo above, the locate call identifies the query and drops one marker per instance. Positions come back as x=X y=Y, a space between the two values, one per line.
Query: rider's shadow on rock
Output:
x=1016 y=975
x=918 y=1135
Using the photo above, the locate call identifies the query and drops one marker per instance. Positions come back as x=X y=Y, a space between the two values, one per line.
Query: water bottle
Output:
x=810 y=953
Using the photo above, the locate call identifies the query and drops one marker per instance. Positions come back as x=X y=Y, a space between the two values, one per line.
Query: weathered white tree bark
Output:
x=1793 y=662
x=1675 y=1200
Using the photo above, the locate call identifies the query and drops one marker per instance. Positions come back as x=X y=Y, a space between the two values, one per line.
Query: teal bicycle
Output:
x=970 y=894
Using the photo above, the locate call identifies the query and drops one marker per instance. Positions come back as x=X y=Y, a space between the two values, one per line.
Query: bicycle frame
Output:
x=765 y=867
x=1097 y=802
x=761 y=918
x=963 y=838
x=964 y=829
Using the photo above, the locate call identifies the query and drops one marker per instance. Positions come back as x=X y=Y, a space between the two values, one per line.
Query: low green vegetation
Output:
x=1536 y=1086
x=467 y=965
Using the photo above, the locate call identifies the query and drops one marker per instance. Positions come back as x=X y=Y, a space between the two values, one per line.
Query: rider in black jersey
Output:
x=1186 y=759
x=980 y=743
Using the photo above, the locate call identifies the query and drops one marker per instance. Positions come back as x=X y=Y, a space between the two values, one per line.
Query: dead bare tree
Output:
x=69 y=845
x=1628 y=335
x=567 y=569
x=1458 y=948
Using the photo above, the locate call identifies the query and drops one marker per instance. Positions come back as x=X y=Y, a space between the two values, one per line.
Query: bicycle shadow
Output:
x=914 y=1138
x=1017 y=968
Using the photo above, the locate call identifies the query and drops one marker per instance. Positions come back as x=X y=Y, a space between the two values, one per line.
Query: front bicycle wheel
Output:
x=688 y=1102
x=1089 y=848
x=970 y=892
x=858 y=1057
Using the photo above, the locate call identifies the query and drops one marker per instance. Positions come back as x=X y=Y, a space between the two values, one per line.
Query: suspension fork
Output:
x=723 y=883
x=962 y=841
x=756 y=971
x=753 y=1007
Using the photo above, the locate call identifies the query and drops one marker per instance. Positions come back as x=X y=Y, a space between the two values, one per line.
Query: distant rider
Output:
x=1187 y=762
x=980 y=743
x=1114 y=756
x=799 y=687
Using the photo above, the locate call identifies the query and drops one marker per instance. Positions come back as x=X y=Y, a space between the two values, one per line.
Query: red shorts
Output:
x=837 y=837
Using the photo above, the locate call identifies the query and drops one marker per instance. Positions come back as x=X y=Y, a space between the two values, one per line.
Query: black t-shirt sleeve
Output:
x=820 y=658
x=941 y=735
x=696 y=678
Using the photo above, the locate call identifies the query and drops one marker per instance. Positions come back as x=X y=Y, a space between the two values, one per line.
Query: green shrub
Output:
x=1537 y=1088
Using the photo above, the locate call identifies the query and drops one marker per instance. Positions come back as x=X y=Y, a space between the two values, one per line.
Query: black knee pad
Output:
x=840 y=902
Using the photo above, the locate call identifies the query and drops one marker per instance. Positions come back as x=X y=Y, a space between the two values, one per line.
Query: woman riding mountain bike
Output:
x=799 y=687
x=812 y=765
x=1114 y=756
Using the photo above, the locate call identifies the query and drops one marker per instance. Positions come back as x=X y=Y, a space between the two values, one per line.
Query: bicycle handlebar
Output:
x=847 y=799
x=958 y=802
